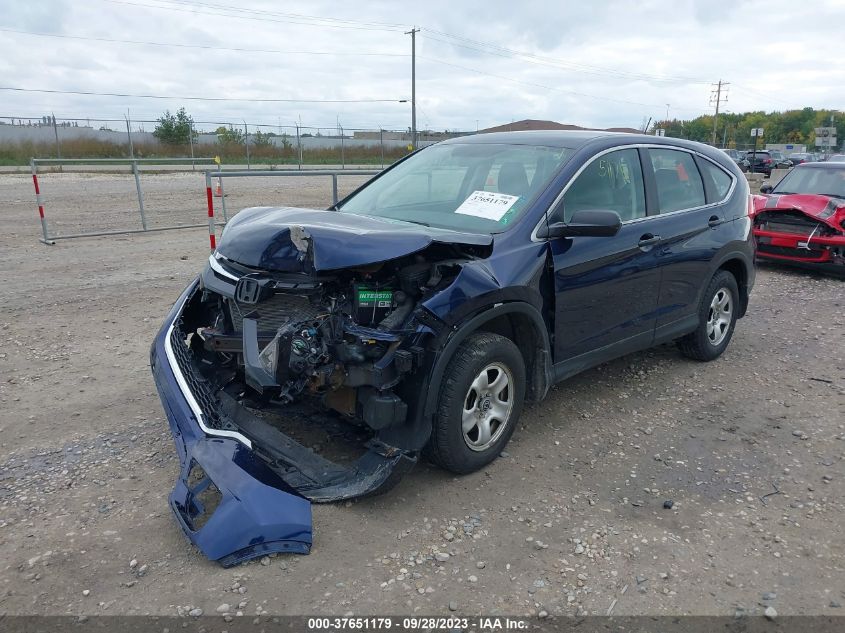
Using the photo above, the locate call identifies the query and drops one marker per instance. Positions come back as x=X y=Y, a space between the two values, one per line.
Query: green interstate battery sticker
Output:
x=375 y=298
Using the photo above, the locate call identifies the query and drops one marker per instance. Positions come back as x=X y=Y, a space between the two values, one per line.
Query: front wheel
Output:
x=717 y=315
x=480 y=402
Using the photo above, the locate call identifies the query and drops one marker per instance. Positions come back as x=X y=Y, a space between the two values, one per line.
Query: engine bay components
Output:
x=289 y=336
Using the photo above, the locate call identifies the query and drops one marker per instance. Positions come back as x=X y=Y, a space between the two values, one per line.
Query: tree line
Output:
x=734 y=129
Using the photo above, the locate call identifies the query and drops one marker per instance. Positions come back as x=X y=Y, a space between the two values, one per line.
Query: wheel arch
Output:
x=739 y=268
x=520 y=322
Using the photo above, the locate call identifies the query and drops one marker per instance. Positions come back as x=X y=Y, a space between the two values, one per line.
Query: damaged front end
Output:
x=804 y=229
x=290 y=377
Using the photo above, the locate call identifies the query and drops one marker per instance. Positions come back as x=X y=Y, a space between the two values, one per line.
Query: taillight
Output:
x=750 y=206
x=768 y=161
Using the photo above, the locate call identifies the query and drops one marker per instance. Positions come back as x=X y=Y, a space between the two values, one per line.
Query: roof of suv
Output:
x=571 y=139
x=554 y=138
x=577 y=139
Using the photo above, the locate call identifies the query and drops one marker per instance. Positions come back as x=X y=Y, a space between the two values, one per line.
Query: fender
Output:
x=748 y=266
x=415 y=433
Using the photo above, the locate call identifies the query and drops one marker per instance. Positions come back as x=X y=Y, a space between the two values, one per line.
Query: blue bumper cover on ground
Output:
x=227 y=501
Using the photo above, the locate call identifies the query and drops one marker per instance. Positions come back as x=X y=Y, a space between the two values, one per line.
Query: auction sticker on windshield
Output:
x=488 y=205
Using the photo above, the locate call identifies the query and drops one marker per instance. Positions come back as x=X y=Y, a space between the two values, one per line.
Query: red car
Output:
x=801 y=220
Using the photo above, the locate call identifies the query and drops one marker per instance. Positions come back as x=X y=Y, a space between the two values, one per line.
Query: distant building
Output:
x=788 y=148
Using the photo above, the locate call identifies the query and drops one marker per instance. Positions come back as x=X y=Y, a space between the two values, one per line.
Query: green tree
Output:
x=230 y=135
x=262 y=139
x=791 y=126
x=175 y=129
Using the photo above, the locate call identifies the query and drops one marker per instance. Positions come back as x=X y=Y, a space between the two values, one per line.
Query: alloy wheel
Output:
x=720 y=316
x=487 y=406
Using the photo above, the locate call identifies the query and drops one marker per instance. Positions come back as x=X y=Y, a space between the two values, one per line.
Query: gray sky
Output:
x=603 y=63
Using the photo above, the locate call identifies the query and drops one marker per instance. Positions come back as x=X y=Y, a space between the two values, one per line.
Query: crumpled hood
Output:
x=827 y=209
x=289 y=239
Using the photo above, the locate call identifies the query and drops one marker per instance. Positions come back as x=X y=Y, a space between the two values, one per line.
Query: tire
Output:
x=479 y=362
x=717 y=316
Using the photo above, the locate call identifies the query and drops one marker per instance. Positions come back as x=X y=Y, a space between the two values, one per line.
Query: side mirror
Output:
x=585 y=223
x=767 y=188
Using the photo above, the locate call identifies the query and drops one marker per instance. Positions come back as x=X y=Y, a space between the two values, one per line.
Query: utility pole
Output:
x=716 y=98
x=246 y=142
x=59 y=147
x=129 y=135
x=413 y=34
x=829 y=146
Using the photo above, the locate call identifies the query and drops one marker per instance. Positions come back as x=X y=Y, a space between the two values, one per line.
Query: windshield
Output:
x=827 y=182
x=476 y=187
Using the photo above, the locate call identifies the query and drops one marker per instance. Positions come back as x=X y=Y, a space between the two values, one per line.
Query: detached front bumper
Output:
x=227 y=500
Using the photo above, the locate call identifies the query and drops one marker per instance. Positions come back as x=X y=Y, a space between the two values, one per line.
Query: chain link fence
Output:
x=237 y=143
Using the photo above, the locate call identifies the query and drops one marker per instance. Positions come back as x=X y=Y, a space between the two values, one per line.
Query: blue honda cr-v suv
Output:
x=419 y=313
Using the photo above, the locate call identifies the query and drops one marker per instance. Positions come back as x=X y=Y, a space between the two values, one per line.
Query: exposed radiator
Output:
x=273 y=313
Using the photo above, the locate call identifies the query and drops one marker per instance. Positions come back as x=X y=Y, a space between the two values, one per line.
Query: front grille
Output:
x=790 y=227
x=803 y=253
x=202 y=390
x=793 y=222
x=274 y=312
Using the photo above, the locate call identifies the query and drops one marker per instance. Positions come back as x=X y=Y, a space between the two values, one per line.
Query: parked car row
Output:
x=799 y=158
x=765 y=160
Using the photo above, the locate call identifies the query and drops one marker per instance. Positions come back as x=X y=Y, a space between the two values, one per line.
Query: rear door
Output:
x=606 y=288
x=689 y=191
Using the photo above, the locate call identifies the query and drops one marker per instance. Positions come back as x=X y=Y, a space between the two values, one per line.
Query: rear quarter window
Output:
x=718 y=179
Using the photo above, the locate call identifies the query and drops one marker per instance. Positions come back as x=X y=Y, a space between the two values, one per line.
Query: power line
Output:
x=256 y=15
x=301 y=16
x=183 y=98
x=536 y=85
x=501 y=51
x=202 y=46
x=761 y=95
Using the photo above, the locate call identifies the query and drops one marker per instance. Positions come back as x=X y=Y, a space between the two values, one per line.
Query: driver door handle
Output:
x=648 y=240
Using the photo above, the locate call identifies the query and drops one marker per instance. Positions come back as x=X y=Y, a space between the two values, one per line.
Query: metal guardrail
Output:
x=135 y=163
x=46 y=238
x=220 y=175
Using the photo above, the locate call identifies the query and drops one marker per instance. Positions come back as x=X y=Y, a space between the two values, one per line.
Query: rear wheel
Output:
x=717 y=316
x=480 y=402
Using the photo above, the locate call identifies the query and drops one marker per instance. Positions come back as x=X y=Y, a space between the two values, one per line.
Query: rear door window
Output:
x=679 y=185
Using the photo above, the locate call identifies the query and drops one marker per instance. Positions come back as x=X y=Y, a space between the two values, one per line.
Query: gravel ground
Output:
x=747 y=450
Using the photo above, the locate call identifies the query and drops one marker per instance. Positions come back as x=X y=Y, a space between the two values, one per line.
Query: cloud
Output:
x=596 y=64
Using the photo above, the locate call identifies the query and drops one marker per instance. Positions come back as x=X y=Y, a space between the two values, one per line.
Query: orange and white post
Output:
x=212 y=238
